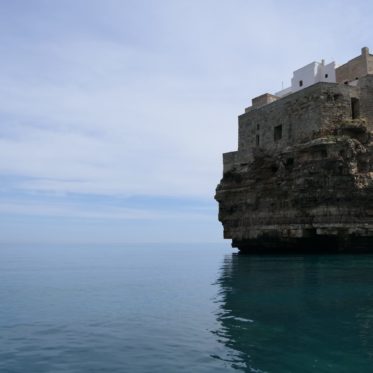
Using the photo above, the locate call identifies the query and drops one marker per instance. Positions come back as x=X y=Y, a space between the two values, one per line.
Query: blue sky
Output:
x=114 y=114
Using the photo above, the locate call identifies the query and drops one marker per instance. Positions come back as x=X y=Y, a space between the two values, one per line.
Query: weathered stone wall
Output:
x=366 y=99
x=355 y=68
x=299 y=115
x=229 y=161
x=351 y=70
x=263 y=100
x=370 y=64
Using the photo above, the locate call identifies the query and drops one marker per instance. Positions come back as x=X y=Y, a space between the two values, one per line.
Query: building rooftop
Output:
x=315 y=72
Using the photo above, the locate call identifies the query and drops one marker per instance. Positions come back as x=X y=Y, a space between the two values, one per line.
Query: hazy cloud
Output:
x=140 y=98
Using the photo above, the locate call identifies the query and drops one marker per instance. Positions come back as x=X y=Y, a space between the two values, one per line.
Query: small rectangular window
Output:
x=258 y=127
x=326 y=76
x=301 y=83
x=277 y=135
x=355 y=108
x=257 y=140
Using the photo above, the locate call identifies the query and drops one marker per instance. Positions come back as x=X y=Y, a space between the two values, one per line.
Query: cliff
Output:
x=310 y=193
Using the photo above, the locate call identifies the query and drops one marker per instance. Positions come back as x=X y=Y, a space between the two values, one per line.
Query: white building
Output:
x=308 y=75
x=304 y=77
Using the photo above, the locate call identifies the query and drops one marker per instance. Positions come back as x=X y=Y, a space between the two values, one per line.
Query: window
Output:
x=274 y=168
x=258 y=127
x=289 y=163
x=277 y=135
x=257 y=140
x=301 y=83
x=326 y=76
x=355 y=108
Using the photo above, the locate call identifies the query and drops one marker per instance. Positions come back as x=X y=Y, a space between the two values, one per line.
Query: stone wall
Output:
x=229 y=161
x=366 y=99
x=262 y=100
x=355 y=68
x=299 y=115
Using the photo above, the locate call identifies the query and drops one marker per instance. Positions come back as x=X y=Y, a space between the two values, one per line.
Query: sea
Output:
x=182 y=308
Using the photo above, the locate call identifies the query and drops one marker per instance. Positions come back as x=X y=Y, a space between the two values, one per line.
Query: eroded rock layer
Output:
x=313 y=196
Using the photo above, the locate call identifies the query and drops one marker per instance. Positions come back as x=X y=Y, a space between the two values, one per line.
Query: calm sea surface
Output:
x=198 y=308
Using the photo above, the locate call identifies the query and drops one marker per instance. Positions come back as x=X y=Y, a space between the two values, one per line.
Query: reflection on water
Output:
x=296 y=313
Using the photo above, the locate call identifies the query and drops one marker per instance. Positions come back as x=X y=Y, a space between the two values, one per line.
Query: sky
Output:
x=114 y=114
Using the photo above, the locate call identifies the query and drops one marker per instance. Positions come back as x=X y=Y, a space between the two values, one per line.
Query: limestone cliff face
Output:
x=314 y=195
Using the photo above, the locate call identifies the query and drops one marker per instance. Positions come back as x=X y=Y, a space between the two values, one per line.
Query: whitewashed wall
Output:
x=308 y=75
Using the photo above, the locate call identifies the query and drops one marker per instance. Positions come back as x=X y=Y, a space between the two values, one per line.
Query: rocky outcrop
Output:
x=316 y=195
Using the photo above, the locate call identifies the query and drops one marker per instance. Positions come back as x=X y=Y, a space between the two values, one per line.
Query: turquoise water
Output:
x=198 y=308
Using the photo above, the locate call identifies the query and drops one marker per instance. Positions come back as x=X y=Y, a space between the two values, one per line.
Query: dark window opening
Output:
x=346 y=82
x=258 y=127
x=310 y=232
x=326 y=75
x=257 y=140
x=357 y=78
x=277 y=134
x=301 y=83
x=289 y=162
x=355 y=108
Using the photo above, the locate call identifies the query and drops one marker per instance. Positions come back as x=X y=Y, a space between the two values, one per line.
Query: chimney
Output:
x=365 y=51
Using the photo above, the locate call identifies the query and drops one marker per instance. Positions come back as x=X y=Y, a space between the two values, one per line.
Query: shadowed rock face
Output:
x=316 y=196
